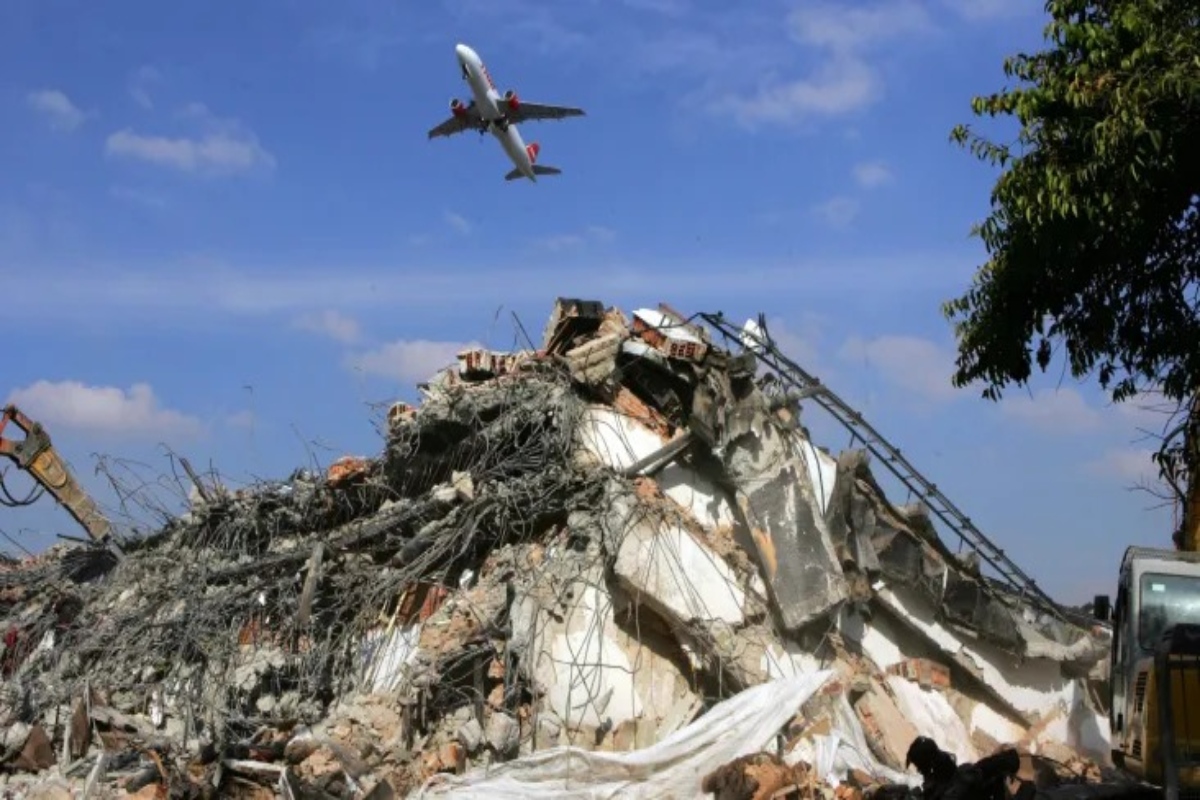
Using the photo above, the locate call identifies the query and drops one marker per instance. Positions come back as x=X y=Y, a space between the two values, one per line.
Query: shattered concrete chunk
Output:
x=570 y=320
x=662 y=564
x=595 y=362
x=778 y=506
x=503 y=734
x=471 y=736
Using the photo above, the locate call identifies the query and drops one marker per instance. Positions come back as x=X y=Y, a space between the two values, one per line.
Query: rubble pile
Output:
x=615 y=564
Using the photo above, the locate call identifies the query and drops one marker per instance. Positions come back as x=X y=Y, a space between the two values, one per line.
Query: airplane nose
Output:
x=463 y=52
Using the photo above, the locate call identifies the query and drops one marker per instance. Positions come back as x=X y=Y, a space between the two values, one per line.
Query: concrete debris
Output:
x=599 y=547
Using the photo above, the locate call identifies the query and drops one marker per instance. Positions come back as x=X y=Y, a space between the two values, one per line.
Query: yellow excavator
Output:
x=35 y=455
x=1154 y=709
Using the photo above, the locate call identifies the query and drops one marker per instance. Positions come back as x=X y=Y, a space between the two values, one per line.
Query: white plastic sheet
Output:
x=844 y=749
x=669 y=770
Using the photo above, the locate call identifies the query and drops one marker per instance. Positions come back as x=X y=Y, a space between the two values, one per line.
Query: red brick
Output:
x=929 y=674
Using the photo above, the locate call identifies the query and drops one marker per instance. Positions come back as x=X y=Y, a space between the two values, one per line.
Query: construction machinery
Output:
x=1154 y=713
x=35 y=455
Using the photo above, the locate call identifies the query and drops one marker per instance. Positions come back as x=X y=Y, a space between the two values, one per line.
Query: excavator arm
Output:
x=36 y=455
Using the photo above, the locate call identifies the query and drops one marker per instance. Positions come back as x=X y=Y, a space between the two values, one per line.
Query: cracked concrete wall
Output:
x=1033 y=689
x=776 y=497
x=597 y=675
x=662 y=564
x=614 y=440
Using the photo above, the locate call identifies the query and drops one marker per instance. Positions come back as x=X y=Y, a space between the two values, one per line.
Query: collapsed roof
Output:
x=586 y=543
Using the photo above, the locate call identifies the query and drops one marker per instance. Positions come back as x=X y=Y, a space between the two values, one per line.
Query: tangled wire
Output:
x=269 y=592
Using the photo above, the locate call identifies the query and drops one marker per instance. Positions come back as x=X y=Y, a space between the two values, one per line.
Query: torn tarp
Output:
x=674 y=767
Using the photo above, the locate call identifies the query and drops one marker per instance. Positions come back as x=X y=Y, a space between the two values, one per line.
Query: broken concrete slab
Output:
x=662 y=564
x=778 y=505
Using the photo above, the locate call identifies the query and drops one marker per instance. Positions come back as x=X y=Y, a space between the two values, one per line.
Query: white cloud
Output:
x=408 y=361
x=838 y=212
x=840 y=39
x=668 y=8
x=458 y=222
x=104 y=410
x=871 y=174
x=917 y=365
x=990 y=10
x=842 y=85
x=57 y=108
x=696 y=52
x=139 y=197
x=538 y=27
x=218 y=152
x=558 y=243
x=1130 y=465
x=1053 y=410
x=839 y=27
x=331 y=323
x=242 y=420
x=140 y=84
x=600 y=233
x=800 y=342
x=136 y=293
x=220 y=147
x=1148 y=413
x=845 y=81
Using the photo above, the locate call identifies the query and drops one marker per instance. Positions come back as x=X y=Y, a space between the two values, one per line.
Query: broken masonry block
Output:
x=571 y=319
x=669 y=337
x=922 y=671
x=346 y=469
x=594 y=363
x=503 y=734
x=778 y=505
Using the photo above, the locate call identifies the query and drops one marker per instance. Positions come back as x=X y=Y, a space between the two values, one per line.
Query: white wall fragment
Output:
x=615 y=440
x=877 y=639
x=986 y=720
x=387 y=655
x=701 y=497
x=788 y=661
x=1033 y=686
x=822 y=471
x=931 y=713
x=586 y=662
x=663 y=564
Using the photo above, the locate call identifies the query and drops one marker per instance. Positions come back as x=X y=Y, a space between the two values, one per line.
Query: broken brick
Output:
x=346 y=469
x=928 y=674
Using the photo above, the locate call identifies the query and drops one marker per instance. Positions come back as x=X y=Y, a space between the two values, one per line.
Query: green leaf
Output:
x=1093 y=220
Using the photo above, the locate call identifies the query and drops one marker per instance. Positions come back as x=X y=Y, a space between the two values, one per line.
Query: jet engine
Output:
x=457 y=107
x=511 y=98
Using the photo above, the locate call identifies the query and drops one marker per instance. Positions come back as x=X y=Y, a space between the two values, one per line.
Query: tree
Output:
x=1093 y=237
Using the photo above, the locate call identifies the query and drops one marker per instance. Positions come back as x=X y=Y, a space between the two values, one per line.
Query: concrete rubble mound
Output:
x=611 y=566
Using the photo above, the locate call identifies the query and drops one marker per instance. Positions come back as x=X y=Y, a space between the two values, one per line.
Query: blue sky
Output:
x=222 y=228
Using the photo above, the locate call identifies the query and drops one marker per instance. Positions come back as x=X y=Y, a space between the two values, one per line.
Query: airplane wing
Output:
x=528 y=112
x=457 y=124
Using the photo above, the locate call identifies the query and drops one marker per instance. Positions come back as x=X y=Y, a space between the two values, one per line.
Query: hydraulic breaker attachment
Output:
x=36 y=455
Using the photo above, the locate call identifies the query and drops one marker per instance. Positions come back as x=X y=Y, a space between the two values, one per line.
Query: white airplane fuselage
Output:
x=491 y=105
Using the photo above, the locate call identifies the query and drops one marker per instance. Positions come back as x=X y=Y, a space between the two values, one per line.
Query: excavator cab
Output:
x=36 y=455
x=1155 y=677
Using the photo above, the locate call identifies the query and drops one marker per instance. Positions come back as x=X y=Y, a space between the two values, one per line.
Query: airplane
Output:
x=491 y=111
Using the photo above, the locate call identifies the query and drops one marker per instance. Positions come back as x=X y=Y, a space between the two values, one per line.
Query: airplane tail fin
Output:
x=538 y=169
x=532 y=149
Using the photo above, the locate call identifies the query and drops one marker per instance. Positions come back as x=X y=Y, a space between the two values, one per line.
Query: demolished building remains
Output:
x=605 y=566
